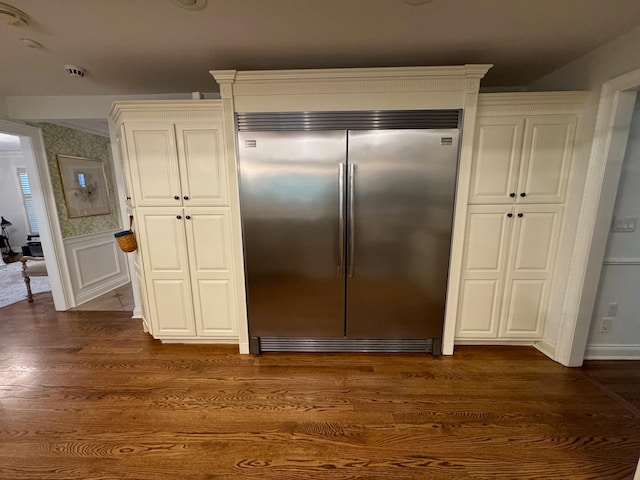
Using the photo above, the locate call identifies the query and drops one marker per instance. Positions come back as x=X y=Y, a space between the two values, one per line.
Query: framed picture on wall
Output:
x=85 y=186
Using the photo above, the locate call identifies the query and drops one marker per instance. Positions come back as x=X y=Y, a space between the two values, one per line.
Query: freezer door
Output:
x=290 y=186
x=401 y=211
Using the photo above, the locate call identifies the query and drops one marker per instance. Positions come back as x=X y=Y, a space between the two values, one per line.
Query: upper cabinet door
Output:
x=496 y=156
x=546 y=158
x=203 y=170
x=153 y=164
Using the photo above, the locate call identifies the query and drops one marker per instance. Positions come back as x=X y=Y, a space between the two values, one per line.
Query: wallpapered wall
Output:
x=66 y=141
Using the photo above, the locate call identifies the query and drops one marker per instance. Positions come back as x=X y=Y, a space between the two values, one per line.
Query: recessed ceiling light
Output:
x=13 y=16
x=190 y=4
x=27 y=42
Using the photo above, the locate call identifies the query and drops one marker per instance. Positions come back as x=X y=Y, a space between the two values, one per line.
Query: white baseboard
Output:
x=494 y=341
x=612 y=352
x=546 y=347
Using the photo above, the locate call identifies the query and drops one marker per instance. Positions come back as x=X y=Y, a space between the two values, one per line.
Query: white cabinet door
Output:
x=532 y=255
x=484 y=266
x=546 y=158
x=208 y=234
x=121 y=140
x=166 y=267
x=203 y=170
x=496 y=157
x=153 y=163
x=522 y=159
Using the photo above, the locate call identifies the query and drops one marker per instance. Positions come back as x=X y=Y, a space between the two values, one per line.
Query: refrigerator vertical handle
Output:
x=341 y=220
x=352 y=174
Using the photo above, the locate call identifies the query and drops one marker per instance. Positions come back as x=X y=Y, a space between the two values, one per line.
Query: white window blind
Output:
x=28 y=200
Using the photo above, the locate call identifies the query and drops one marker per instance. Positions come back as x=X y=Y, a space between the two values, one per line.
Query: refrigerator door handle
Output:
x=352 y=174
x=341 y=220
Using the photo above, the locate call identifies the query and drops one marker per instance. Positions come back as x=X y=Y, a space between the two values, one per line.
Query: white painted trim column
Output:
x=598 y=200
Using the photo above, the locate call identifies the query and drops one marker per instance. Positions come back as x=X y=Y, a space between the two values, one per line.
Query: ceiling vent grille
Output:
x=13 y=16
x=75 y=71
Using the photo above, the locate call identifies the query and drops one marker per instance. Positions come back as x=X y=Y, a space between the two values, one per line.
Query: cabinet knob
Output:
x=128 y=198
x=186 y=197
x=509 y=215
x=178 y=217
x=523 y=194
x=521 y=215
x=512 y=194
x=188 y=217
x=176 y=197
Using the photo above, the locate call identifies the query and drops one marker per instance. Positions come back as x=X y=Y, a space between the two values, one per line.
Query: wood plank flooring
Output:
x=87 y=395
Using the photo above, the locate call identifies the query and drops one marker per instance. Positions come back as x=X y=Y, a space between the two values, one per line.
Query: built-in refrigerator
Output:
x=347 y=221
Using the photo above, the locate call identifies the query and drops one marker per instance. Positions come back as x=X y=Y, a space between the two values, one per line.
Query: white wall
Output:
x=3 y=108
x=11 y=204
x=620 y=278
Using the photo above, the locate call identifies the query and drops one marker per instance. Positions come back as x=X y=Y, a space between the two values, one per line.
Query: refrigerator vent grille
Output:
x=282 y=344
x=349 y=120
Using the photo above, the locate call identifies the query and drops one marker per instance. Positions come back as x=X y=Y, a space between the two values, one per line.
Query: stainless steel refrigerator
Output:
x=347 y=222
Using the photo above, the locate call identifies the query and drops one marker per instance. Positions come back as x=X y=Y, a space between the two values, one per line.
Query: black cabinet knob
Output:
x=176 y=197
x=523 y=194
x=512 y=194
x=188 y=217
x=128 y=198
x=186 y=197
x=521 y=215
x=509 y=215
x=178 y=217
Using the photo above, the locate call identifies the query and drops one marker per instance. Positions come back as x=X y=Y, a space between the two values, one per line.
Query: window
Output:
x=28 y=200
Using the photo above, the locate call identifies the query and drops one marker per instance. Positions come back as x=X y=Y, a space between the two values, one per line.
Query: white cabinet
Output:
x=180 y=175
x=177 y=163
x=508 y=267
x=189 y=278
x=522 y=159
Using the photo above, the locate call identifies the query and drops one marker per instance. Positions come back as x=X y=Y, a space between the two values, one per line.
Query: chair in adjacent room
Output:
x=32 y=267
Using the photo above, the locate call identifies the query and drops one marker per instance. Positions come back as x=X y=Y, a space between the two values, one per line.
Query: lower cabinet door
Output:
x=166 y=271
x=508 y=265
x=532 y=255
x=484 y=267
x=208 y=235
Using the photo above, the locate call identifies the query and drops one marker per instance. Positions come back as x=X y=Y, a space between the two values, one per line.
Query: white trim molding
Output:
x=35 y=160
x=603 y=172
x=106 y=269
x=612 y=352
x=403 y=88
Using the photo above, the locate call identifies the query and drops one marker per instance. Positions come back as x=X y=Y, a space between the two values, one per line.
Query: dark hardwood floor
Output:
x=87 y=395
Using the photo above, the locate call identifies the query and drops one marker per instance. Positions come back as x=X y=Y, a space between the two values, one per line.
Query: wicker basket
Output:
x=127 y=239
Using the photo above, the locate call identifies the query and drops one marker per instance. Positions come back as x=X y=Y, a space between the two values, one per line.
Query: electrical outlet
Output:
x=605 y=324
x=612 y=309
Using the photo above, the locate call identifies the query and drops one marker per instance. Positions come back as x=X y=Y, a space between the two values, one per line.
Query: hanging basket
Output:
x=127 y=239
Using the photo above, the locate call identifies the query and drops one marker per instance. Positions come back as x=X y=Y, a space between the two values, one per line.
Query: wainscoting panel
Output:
x=96 y=265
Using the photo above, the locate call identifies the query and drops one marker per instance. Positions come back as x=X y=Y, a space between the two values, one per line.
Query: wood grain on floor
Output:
x=87 y=395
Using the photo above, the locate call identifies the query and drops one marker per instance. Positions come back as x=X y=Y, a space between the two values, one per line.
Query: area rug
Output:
x=12 y=287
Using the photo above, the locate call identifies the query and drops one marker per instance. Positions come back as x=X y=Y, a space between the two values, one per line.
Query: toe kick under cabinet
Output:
x=520 y=175
x=183 y=197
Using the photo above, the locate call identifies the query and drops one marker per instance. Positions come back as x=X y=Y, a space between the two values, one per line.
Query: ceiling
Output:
x=153 y=46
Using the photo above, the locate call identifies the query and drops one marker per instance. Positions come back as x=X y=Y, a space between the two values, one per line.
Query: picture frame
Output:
x=85 y=186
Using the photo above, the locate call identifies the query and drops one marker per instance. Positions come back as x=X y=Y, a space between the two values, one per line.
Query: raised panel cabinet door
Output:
x=161 y=238
x=532 y=258
x=496 y=156
x=546 y=158
x=484 y=267
x=203 y=166
x=208 y=233
x=153 y=161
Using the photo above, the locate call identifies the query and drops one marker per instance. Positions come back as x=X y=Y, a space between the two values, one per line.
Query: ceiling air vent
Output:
x=75 y=71
x=13 y=16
